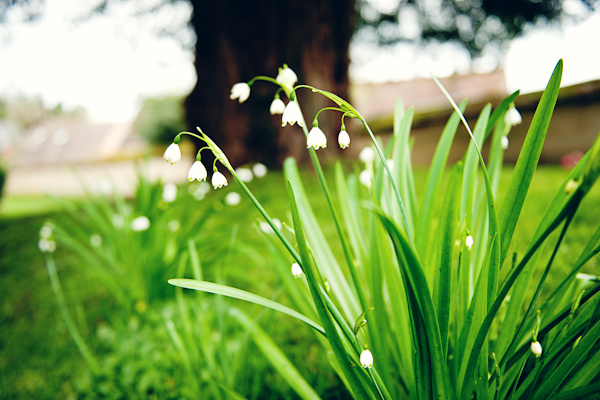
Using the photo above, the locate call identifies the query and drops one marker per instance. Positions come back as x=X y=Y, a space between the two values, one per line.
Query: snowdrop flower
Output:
x=586 y=277
x=260 y=170
x=512 y=117
x=218 y=180
x=367 y=155
x=277 y=106
x=233 y=199
x=197 y=172
x=169 y=193
x=240 y=91
x=296 y=270
x=286 y=77
x=172 y=154
x=316 y=138
x=469 y=242
x=47 y=245
x=96 y=240
x=46 y=231
x=140 y=224
x=266 y=228
x=245 y=174
x=365 y=178
x=536 y=348
x=504 y=142
x=292 y=114
x=366 y=359
x=571 y=186
x=343 y=139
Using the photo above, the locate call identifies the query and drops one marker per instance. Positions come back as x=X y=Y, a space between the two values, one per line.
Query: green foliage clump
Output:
x=159 y=118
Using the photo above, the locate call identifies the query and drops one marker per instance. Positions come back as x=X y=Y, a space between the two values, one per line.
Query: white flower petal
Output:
x=316 y=139
x=240 y=91
x=366 y=359
x=343 y=139
x=512 y=117
x=140 y=223
x=367 y=155
x=296 y=270
x=277 y=107
x=260 y=170
x=172 y=154
x=504 y=142
x=287 y=77
x=218 y=180
x=197 y=172
x=292 y=114
x=536 y=348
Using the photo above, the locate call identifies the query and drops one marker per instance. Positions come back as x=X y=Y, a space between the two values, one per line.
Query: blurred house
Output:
x=573 y=128
x=58 y=154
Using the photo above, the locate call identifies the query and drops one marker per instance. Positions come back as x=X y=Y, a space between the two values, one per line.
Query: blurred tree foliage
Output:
x=237 y=40
x=159 y=118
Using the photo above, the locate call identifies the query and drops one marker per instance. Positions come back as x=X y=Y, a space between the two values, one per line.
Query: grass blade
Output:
x=273 y=353
x=527 y=162
x=239 y=294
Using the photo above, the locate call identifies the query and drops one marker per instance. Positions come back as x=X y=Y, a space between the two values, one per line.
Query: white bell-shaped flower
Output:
x=536 y=348
x=512 y=117
x=296 y=270
x=316 y=139
x=367 y=155
x=140 y=224
x=197 y=172
x=287 y=77
x=277 y=106
x=366 y=359
x=343 y=139
x=504 y=142
x=172 y=154
x=218 y=180
x=292 y=114
x=469 y=242
x=240 y=91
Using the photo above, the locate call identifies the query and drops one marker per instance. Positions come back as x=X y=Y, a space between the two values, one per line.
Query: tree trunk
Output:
x=239 y=40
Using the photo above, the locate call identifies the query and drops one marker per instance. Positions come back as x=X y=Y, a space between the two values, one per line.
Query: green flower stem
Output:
x=62 y=305
x=267 y=218
x=269 y=79
x=392 y=182
x=347 y=252
x=330 y=109
x=350 y=111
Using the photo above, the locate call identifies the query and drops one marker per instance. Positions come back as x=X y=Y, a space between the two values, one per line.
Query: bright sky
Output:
x=108 y=63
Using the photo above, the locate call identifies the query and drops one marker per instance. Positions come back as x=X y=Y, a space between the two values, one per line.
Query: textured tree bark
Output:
x=239 y=40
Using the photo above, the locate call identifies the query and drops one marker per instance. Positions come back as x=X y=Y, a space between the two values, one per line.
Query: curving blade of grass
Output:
x=239 y=294
x=273 y=353
x=434 y=180
x=527 y=162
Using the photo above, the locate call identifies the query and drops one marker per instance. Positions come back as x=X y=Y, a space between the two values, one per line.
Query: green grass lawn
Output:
x=37 y=356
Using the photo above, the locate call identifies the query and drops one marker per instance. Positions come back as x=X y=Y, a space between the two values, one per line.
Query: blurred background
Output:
x=92 y=92
x=87 y=82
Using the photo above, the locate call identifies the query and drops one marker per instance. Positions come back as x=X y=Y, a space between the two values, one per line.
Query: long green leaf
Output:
x=273 y=353
x=239 y=294
x=347 y=365
x=527 y=162
x=442 y=288
x=552 y=382
x=434 y=180
x=413 y=273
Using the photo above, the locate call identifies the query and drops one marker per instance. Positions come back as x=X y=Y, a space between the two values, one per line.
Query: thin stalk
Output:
x=62 y=305
x=347 y=252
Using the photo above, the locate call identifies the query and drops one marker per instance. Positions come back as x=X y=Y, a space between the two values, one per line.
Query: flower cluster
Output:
x=291 y=113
